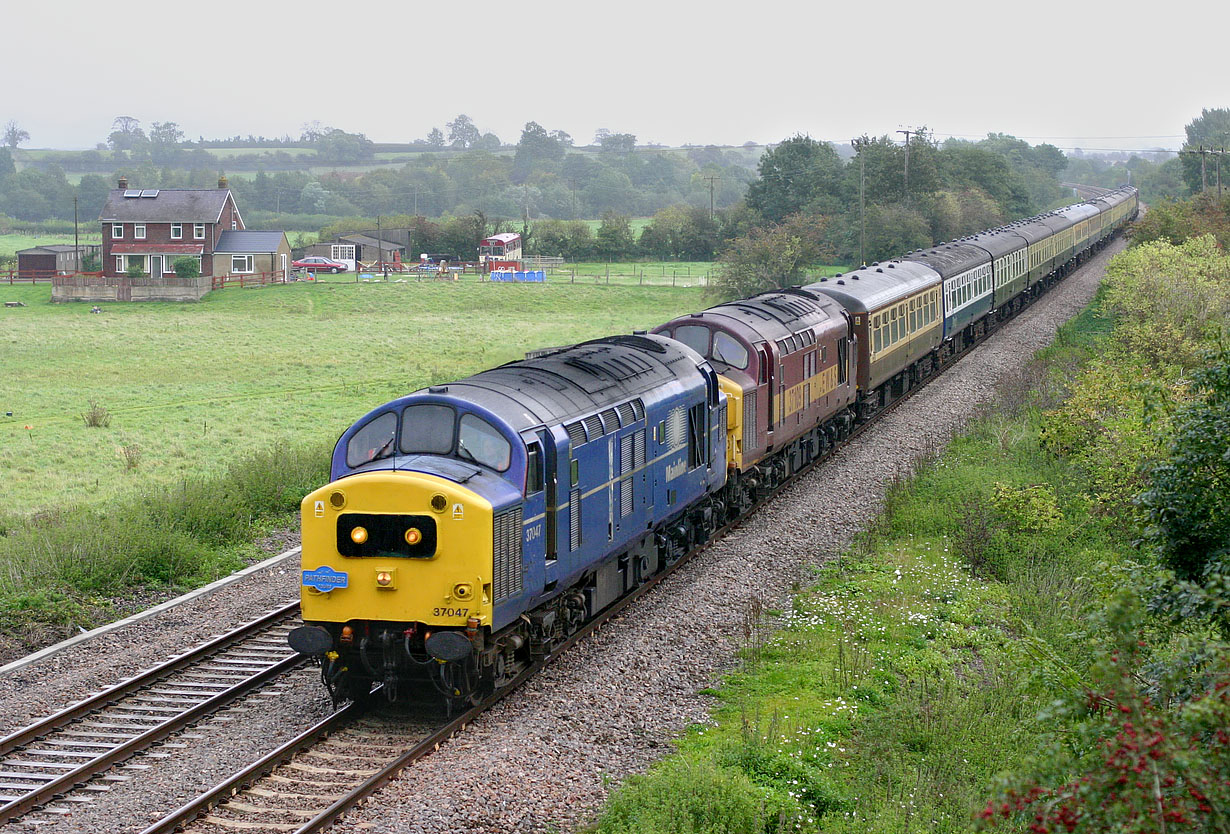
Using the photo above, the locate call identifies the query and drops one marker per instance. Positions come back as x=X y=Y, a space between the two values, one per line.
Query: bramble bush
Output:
x=1122 y=759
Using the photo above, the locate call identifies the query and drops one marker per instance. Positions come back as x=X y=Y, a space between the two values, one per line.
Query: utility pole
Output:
x=907 y=132
x=862 y=216
x=711 y=181
x=76 y=239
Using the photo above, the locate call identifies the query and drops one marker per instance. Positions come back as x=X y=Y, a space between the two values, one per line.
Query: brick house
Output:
x=153 y=227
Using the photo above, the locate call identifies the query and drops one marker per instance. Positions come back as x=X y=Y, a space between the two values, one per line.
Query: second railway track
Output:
x=46 y=760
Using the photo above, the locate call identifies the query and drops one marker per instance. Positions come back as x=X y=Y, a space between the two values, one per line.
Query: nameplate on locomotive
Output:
x=325 y=579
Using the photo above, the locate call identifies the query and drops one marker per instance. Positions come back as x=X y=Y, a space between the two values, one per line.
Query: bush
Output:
x=685 y=795
x=186 y=268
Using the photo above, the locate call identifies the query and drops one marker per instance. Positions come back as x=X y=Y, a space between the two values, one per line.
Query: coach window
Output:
x=427 y=429
x=728 y=350
x=694 y=336
x=373 y=441
x=478 y=440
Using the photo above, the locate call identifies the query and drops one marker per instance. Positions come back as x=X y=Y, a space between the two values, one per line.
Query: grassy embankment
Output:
x=970 y=626
x=220 y=415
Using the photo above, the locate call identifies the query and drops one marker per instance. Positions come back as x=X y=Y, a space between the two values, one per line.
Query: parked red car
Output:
x=319 y=264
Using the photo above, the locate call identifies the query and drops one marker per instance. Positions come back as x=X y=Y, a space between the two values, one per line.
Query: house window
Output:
x=177 y=231
x=138 y=231
x=117 y=231
x=241 y=264
x=198 y=231
x=119 y=263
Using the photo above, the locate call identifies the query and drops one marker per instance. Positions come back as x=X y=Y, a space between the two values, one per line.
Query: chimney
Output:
x=123 y=183
x=222 y=183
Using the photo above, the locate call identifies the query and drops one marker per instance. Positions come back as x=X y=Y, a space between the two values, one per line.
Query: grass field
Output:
x=11 y=244
x=189 y=387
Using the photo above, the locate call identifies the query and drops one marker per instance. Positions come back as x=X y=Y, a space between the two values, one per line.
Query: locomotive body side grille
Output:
x=749 y=423
x=506 y=571
x=574 y=519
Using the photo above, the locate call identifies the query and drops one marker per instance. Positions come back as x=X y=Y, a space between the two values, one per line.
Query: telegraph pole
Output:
x=907 y=133
x=862 y=217
x=711 y=181
x=76 y=239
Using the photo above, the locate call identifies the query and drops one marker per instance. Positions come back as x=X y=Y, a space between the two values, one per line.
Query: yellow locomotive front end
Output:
x=396 y=579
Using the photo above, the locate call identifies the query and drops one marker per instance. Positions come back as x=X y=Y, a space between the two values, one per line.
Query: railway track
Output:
x=74 y=748
x=312 y=780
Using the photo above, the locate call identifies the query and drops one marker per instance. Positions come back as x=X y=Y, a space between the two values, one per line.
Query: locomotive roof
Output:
x=769 y=316
x=949 y=259
x=872 y=287
x=578 y=380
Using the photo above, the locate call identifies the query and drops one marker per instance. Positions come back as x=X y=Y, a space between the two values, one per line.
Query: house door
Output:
x=155 y=266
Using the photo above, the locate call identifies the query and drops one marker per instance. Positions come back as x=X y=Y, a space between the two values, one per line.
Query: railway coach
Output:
x=469 y=527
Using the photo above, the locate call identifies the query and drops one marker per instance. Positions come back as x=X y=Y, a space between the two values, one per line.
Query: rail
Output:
x=142 y=714
x=246 y=778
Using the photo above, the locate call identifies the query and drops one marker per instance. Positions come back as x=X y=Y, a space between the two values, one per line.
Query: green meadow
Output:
x=188 y=389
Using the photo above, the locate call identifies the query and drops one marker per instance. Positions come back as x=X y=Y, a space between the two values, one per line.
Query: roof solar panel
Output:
x=150 y=192
x=132 y=193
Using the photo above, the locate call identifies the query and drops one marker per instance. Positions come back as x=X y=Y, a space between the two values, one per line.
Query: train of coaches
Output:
x=469 y=528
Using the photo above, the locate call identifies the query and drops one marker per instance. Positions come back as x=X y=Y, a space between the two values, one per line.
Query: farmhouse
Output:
x=54 y=259
x=148 y=229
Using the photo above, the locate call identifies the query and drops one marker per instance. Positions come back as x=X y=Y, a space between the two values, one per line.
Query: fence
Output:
x=30 y=276
x=255 y=279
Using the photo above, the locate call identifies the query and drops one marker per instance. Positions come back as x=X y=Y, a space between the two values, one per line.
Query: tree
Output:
x=617 y=142
x=6 y=163
x=127 y=135
x=800 y=174
x=1210 y=131
x=435 y=138
x=614 y=239
x=186 y=268
x=1188 y=504
x=536 y=148
x=462 y=133
x=165 y=133
x=772 y=257
x=14 y=135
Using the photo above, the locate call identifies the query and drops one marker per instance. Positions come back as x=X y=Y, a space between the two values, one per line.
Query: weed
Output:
x=131 y=453
x=96 y=416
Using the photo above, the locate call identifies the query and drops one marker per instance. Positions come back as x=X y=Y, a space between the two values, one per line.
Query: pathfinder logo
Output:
x=325 y=579
x=674 y=470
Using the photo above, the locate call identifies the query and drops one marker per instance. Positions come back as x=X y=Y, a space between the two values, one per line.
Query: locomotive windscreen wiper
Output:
x=463 y=452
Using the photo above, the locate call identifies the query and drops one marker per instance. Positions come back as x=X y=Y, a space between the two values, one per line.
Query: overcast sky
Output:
x=1072 y=73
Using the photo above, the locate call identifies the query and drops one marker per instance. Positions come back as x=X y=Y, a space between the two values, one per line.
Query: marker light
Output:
x=347 y=634
x=413 y=536
x=358 y=535
x=384 y=578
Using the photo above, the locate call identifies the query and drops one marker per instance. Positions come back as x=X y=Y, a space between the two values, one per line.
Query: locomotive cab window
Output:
x=728 y=350
x=478 y=441
x=694 y=336
x=373 y=441
x=427 y=429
